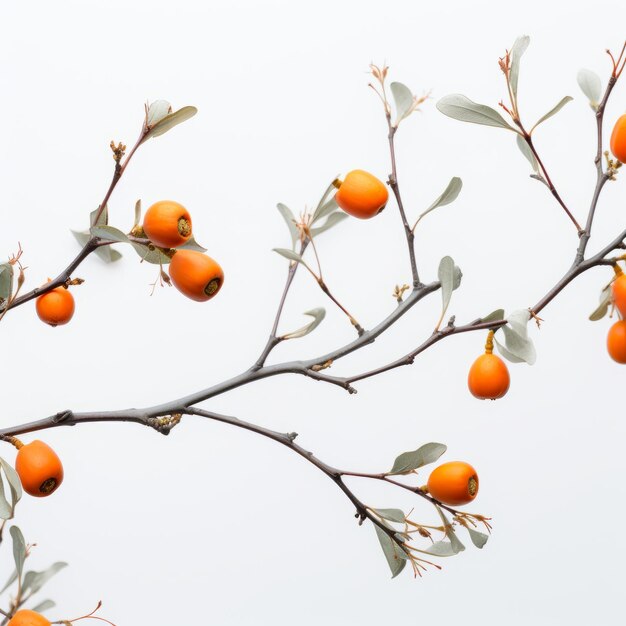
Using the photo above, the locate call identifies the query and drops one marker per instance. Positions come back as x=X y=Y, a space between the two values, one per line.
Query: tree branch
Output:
x=393 y=183
x=602 y=176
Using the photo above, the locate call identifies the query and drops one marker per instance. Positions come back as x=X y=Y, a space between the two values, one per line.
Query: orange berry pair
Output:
x=454 y=483
x=55 y=307
x=39 y=468
x=488 y=377
x=361 y=194
x=167 y=224
x=25 y=617
x=618 y=139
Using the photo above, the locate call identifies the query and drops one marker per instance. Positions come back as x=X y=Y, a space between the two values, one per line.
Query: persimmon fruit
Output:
x=39 y=468
x=616 y=341
x=618 y=139
x=55 y=307
x=454 y=483
x=619 y=293
x=196 y=275
x=26 y=617
x=167 y=224
x=361 y=194
x=488 y=377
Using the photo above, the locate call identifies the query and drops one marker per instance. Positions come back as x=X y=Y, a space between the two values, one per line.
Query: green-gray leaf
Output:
x=555 y=109
x=108 y=233
x=393 y=515
x=317 y=314
x=192 y=244
x=290 y=220
x=151 y=254
x=106 y=253
x=292 y=256
x=137 y=213
x=403 y=99
x=19 y=549
x=478 y=539
x=440 y=548
x=326 y=204
x=44 y=606
x=396 y=557
x=414 y=459
x=455 y=542
x=494 y=316
x=527 y=152
x=520 y=347
x=36 y=580
x=169 y=121
x=6 y=282
x=447 y=277
x=449 y=195
x=6 y=511
x=591 y=86
x=332 y=220
x=15 y=485
x=461 y=108
x=102 y=220
x=603 y=307
x=518 y=49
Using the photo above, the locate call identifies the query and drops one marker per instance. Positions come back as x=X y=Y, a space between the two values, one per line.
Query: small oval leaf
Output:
x=527 y=152
x=403 y=99
x=414 y=459
x=591 y=86
x=553 y=111
x=169 y=121
x=518 y=49
x=461 y=108
x=290 y=220
x=332 y=220
x=317 y=315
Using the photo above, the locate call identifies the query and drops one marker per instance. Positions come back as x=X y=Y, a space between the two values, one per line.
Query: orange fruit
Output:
x=488 y=377
x=39 y=468
x=619 y=293
x=55 y=307
x=361 y=194
x=616 y=341
x=25 y=617
x=167 y=224
x=196 y=275
x=453 y=483
x=618 y=139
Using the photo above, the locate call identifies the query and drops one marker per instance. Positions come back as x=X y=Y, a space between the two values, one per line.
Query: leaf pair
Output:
x=518 y=346
x=461 y=108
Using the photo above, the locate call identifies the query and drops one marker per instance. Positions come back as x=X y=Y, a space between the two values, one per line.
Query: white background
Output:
x=217 y=526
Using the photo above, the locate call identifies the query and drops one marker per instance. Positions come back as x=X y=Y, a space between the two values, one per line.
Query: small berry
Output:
x=39 y=468
x=167 y=224
x=453 y=483
x=361 y=194
x=196 y=275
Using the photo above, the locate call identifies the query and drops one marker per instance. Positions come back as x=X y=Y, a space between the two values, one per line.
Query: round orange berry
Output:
x=196 y=275
x=618 y=139
x=39 y=469
x=167 y=224
x=616 y=341
x=25 y=617
x=453 y=483
x=361 y=194
x=488 y=377
x=55 y=307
